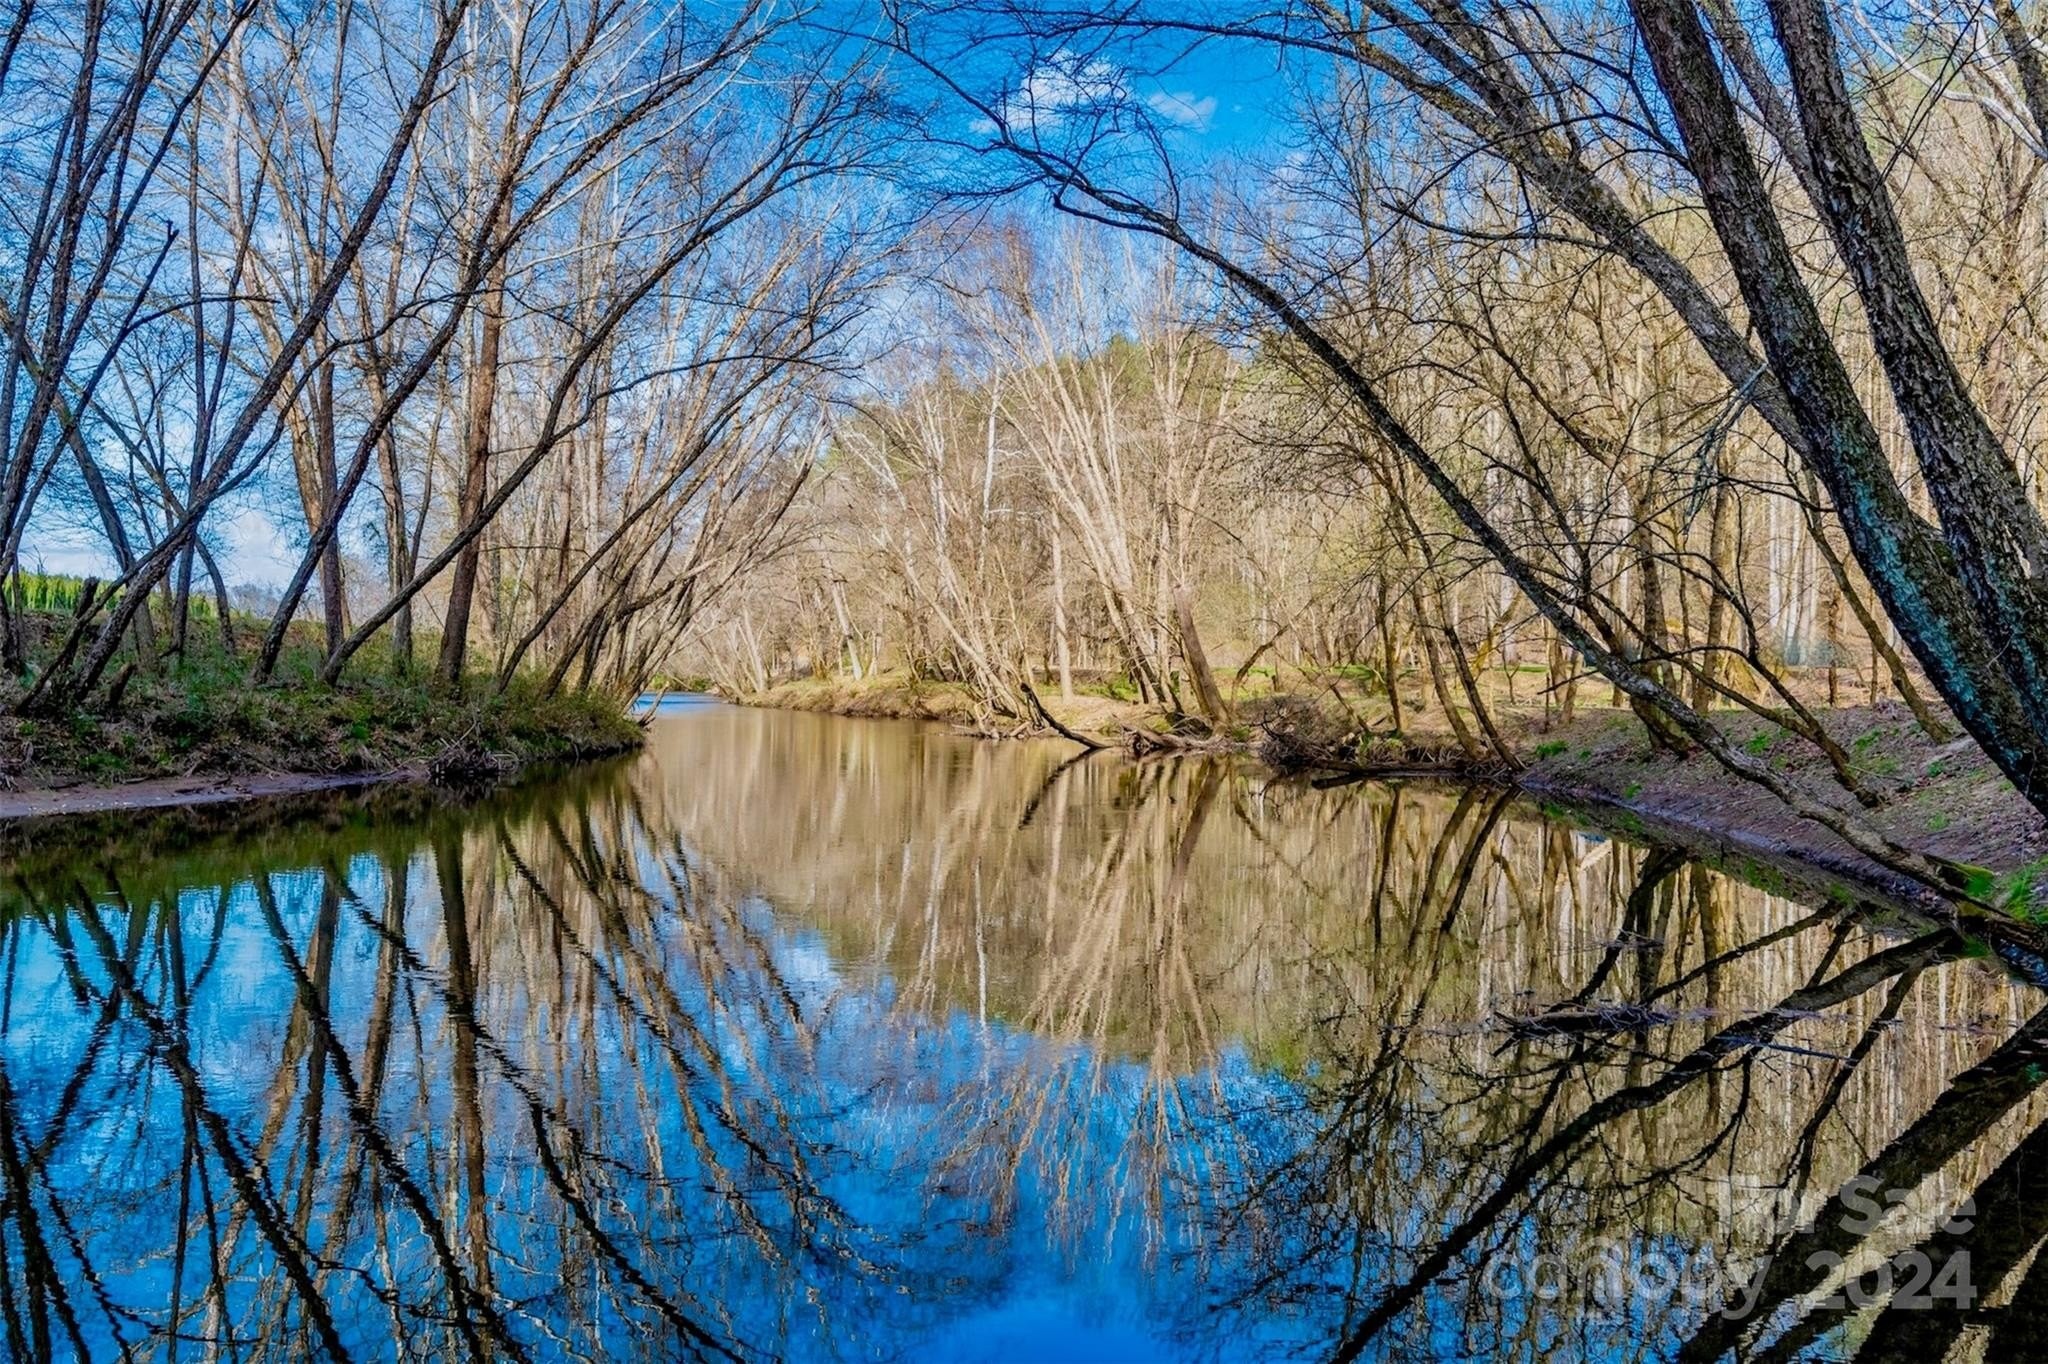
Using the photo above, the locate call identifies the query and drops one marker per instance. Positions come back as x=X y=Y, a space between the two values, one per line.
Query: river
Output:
x=817 y=1038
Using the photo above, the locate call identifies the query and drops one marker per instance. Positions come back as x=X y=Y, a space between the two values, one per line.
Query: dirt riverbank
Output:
x=1944 y=799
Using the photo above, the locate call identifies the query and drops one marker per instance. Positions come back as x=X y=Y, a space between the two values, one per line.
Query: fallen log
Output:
x=1031 y=695
x=1580 y=1020
x=1144 y=743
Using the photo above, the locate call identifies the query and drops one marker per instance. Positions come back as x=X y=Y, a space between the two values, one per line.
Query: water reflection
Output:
x=814 y=1038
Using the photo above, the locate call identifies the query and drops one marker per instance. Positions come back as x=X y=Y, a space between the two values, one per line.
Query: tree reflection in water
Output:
x=820 y=1038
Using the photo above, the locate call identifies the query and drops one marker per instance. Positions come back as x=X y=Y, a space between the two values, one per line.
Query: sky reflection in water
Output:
x=820 y=1039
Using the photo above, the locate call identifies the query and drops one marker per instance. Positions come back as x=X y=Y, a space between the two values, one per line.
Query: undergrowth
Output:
x=204 y=715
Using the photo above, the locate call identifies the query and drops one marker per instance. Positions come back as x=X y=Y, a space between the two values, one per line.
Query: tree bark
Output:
x=1207 y=694
x=476 y=468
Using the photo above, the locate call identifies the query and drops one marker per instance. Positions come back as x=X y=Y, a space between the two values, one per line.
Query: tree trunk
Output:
x=1059 y=623
x=1207 y=694
x=333 y=593
x=476 y=452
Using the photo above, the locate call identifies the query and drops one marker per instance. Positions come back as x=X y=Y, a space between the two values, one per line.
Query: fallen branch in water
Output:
x=1293 y=743
x=1031 y=695
x=1146 y=742
x=1462 y=769
x=465 y=763
x=1579 y=1020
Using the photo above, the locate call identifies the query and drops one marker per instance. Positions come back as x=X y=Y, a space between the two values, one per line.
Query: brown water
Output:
x=812 y=1038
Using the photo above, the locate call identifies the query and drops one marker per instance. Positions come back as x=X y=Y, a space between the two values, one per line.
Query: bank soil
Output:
x=1944 y=799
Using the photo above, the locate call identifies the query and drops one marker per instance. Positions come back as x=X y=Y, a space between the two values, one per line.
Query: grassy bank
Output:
x=204 y=716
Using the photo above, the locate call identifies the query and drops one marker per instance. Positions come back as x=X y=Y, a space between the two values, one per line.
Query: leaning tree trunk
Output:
x=1207 y=694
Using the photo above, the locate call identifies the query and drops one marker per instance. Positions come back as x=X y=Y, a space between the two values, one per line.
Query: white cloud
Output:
x=253 y=550
x=1184 y=107
x=64 y=554
x=1063 y=82
x=1067 y=82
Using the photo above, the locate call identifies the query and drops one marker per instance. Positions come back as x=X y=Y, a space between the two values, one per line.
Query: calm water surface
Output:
x=815 y=1038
